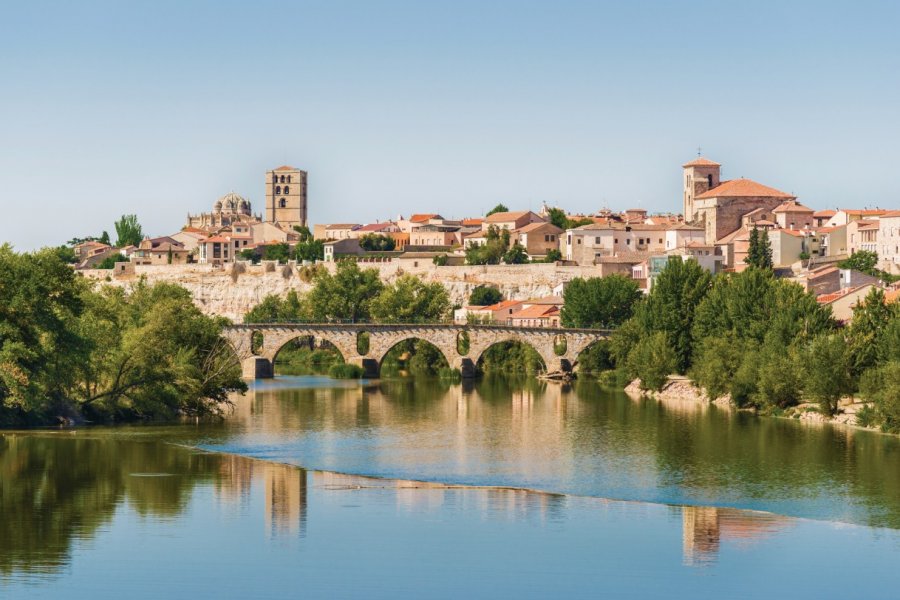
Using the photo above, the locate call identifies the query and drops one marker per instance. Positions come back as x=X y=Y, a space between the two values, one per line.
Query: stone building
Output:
x=718 y=206
x=286 y=197
x=226 y=210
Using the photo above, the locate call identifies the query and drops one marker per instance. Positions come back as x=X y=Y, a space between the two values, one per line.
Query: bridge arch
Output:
x=478 y=354
x=384 y=352
x=313 y=342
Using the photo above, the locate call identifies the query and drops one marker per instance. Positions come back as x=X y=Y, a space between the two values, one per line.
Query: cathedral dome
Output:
x=231 y=202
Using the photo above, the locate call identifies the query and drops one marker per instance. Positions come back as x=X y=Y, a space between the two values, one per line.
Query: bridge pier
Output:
x=257 y=367
x=558 y=364
x=368 y=365
x=466 y=367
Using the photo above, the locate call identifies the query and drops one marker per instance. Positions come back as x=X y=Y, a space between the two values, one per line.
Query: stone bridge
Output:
x=258 y=362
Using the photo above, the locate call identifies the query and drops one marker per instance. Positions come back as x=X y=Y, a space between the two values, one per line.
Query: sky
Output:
x=159 y=108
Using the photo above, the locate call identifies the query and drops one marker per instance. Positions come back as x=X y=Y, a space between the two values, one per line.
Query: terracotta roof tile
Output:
x=791 y=206
x=420 y=218
x=743 y=188
x=535 y=312
x=701 y=162
x=824 y=213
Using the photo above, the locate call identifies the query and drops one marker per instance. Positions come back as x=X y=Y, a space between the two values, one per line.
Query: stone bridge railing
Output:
x=258 y=362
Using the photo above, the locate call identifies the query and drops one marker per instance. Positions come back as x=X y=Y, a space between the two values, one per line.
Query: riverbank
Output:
x=681 y=389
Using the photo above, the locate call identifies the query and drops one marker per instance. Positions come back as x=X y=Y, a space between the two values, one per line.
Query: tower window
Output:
x=277 y=189
x=282 y=203
x=286 y=190
x=289 y=178
x=282 y=179
x=709 y=180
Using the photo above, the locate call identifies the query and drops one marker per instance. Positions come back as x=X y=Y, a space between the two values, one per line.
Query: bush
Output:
x=881 y=386
x=614 y=378
x=867 y=416
x=595 y=358
x=449 y=374
x=652 y=360
x=484 y=295
x=346 y=371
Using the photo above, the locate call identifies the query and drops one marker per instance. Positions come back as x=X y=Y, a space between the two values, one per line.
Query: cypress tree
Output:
x=765 y=251
x=753 y=253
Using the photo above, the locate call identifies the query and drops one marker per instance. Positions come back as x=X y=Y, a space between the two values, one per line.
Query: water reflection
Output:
x=577 y=439
x=57 y=491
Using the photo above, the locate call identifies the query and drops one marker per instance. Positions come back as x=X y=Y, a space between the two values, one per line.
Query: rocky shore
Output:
x=679 y=389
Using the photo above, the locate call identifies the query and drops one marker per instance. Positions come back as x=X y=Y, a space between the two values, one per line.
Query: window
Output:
x=660 y=240
x=597 y=240
x=628 y=242
x=289 y=178
x=278 y=189
x=709 y=180
x=282 y=203
x=282 y=179
x=286 y=190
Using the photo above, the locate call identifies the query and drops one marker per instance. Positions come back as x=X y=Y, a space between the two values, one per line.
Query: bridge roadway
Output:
x=258 y=362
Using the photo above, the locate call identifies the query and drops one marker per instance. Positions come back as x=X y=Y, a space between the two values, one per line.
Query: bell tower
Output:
x=700 y=175
x=286 y=196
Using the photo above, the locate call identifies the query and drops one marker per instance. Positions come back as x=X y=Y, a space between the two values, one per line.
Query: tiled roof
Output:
x=737 y=188
x=351 y=226
x=419 y=218
x=216 y=239
x=701 y=162
x=503 y=217
x=285 y=168
x=867 y=225
x=791 y=206
x=532 y=226
x=891 y=214
x=546 y=300
x=867 y=212
x=477 y=221
x=503 y=304
x=376 y=226
x=829 y=298
x=739 y=234
x=821 y=272
x=825 y=213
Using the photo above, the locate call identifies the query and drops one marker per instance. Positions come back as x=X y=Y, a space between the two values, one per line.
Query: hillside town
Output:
x=718 y=220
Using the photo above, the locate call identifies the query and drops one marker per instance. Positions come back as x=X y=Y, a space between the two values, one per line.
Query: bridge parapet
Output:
x=383 y=337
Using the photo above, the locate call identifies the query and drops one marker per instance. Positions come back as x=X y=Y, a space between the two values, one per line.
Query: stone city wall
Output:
x=217 y=291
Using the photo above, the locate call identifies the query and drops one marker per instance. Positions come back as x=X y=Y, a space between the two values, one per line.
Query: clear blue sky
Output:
x=160 y=107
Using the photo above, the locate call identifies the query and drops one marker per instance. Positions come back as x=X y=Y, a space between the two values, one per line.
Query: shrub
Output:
x=346 y=371
x=652 y=360
x=449 y=374
x=867 y=416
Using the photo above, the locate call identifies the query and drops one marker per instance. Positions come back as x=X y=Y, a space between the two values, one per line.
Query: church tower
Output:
x=700 y=175
x=286 y=197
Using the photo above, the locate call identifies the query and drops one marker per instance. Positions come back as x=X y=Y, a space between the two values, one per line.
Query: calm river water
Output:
x=318 y=488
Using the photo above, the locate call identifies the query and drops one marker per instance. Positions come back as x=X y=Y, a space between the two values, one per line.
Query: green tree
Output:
x=492 y=251
x=881 y=386
x=599 y=302
x=652 y=360
x=516 y=255
x=66 y=254
x=279 y=252
x=485 y=295
x=765 y=250
x=864 y=261
x=248 y=254
x=109 y=262
x=558 y=217
x=275 y=309
x=346 y=295
x=718 y=359
x=825 y=368
x=411 y=300
x=104 y=239
x=309 y=249
x=778 y=376
x=500 y=208
x=871 y=319
x=375 y=242
x=753 y=253
x=305 y=233
x=673 y=300
x=553 y=255
x=128 y=231
x=440 y=260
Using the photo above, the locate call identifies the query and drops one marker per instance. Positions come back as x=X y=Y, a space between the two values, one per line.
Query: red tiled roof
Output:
x=503 y=217
x=701 y=162
x=824 y=213
x=419 y=218
x=871 y=212
x=791 y=206
x=285 y=168
x=503 y=304
x=891 y=214
x=532 y=226
x=829 y=298
x=742 y=188
x=216 y=239
x=376 y=226
x=478 y=221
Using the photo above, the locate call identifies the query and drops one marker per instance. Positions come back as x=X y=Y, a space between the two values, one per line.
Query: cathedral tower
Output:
x=286 y=197
x=700 y=175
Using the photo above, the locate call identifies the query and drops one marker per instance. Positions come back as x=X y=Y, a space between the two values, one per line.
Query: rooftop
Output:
x=792 y=206
x=700 y=161
x=532 y=226
x=737 y=188
x=503 y=217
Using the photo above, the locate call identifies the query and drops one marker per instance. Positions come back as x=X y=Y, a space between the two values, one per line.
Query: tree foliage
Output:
x=68 y=350
x=500 y=208
x=411 y=300
x=605 y=302
x=652 y=360
x=492 y=250
x=277 y=252
x=516 y=255
x=376 y=242
x=759 y=254
x=864 y=261
x=485 y=295
x=128 y=231
x=346 y=295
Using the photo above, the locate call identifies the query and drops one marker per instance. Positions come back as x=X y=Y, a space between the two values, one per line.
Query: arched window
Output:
x=282 y=179
x=709 y=180
x=277 y=189
x=286 y=190
x=282 y=203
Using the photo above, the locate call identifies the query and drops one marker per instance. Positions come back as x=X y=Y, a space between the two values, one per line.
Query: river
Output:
x=415 y=488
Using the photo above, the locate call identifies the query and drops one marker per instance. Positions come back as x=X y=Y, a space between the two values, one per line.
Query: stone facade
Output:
x=721 y=216
x=286 y=197
x=384 y=337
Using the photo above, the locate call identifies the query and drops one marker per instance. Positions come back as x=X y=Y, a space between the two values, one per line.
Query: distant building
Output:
x=225 y=211
x=286 y=202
